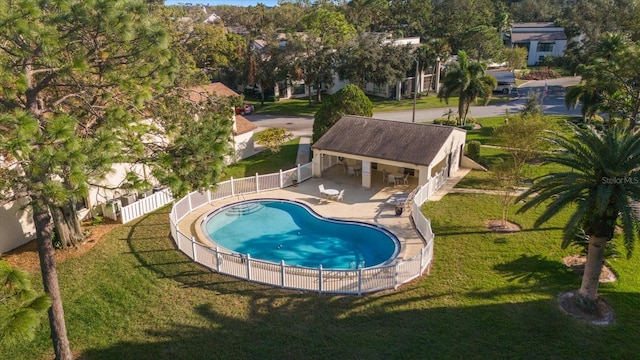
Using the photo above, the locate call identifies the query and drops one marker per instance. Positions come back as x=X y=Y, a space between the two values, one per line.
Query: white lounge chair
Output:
x=340 y=195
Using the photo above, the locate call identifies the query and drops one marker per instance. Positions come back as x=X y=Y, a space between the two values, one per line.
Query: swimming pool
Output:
x=276 y=230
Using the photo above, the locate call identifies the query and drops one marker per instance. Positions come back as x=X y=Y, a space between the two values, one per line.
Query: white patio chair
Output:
x=405 y=179
x=340 y=195
x=351 y=171
x=384 y=174
x=391 y=179
x=322 y=192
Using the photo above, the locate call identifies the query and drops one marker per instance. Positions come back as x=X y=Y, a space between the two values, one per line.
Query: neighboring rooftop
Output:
x=536 y=31
x=198 y=93
x=243 y=125
x=411 y=143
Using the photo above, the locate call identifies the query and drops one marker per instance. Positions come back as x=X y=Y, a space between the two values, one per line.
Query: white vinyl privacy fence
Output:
x=352 y=281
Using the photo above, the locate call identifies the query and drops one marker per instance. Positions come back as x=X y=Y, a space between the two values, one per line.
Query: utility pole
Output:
x=415 y=88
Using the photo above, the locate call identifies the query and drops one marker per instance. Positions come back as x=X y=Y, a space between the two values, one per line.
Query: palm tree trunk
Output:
x=46 y=252
x=588 y=293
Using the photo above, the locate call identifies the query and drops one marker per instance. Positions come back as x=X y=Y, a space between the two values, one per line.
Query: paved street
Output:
x=553 y=104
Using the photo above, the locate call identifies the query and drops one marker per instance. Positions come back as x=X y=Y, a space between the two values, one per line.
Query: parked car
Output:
x=245 y=109
x=504 y=87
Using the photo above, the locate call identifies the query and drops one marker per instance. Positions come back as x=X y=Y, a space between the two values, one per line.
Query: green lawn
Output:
x=264 y=162
x=488 y=296
x=489 y=154
x=303 y=107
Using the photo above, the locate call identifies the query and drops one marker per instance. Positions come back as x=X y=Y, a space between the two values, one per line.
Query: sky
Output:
x=223 y=2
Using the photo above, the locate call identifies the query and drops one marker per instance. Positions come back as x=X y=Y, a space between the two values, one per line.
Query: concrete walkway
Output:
x=304 y=150
x=449 y=185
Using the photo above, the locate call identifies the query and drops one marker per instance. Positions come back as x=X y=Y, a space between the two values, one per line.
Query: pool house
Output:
x=396 y=152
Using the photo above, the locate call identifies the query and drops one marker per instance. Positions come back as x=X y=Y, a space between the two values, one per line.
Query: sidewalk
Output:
x=449 y=185
x=304 y=150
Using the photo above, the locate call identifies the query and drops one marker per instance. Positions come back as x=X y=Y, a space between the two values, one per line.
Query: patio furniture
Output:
x=331 y=193
x=405 y=179
x=323 y=192
x=397 y=199
x=340 y=195
x=391 y=179
x=384 y=174
x=351 y=171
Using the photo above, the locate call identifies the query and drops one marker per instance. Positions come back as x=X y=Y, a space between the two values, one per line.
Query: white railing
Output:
x=145 y=205
x=356 y=281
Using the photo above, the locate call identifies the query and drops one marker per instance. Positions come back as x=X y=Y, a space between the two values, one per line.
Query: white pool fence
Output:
x=348 y=281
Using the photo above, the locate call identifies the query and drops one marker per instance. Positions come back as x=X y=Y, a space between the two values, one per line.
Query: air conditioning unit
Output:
x=128 y=199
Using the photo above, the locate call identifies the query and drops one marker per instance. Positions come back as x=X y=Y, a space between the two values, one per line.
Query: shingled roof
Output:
x=410 y=143
x=244 y=125
x=198 y=93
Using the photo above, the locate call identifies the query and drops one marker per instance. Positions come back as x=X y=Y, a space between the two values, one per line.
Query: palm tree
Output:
x=602 y=183
x=470 y=81
x=587 y=94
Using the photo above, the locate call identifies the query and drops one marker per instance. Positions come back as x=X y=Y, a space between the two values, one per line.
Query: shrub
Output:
x=473 y=150
x=581 y=241
x=449 y=122
x=540 y=74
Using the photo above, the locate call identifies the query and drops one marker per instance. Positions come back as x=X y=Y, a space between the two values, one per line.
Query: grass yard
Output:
x=264 y=162
x=489 y=154
x=303 y=107
x=489 y=296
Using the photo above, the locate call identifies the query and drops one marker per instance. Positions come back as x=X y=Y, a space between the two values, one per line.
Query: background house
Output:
x=539 y=38
x=16 y=223
x=243 y=129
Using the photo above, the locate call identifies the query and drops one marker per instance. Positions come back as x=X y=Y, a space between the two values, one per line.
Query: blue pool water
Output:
x=276 y=230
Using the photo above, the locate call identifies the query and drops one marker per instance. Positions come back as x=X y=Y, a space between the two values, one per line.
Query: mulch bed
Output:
x=500 y=226
x=26 y=258
x=605 y=315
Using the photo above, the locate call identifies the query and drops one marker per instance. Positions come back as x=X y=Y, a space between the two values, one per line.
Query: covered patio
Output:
x=377 y=153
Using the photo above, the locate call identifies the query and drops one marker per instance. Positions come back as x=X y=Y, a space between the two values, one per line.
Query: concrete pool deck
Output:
x=360 y=204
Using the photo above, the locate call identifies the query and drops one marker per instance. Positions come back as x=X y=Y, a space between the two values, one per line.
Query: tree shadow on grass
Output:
x=235 y=319
x=530 y=274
